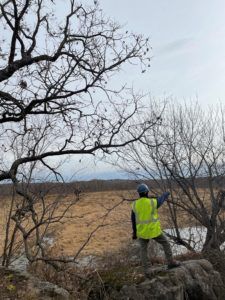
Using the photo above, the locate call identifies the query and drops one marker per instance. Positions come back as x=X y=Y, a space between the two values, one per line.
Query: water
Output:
x=195 y=236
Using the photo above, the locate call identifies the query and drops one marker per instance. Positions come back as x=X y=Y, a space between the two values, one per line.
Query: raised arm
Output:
x=162 y=198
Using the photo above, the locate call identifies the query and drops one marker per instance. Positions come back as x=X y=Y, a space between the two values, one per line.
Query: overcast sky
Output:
x=188 y=41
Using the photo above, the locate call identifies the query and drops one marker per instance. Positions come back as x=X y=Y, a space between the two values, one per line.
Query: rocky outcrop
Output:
x=193 y=280
x=46 y=291
x=22 y=285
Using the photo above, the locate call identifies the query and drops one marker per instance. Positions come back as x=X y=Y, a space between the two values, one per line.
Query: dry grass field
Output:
x=104 y=209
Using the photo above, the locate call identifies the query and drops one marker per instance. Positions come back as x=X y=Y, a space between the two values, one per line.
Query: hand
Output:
x=166 y=195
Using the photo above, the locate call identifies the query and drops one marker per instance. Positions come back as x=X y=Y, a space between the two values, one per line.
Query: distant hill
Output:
x=95 y=185
x=72 y=187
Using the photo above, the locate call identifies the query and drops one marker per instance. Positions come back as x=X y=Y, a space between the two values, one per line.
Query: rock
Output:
x=45 y=291
x=25 y=284
x=87 y=261
x=20 y=264
x=193 y=280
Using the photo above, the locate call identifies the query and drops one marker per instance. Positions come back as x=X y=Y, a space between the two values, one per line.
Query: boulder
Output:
x=193 y=280
x=43 y=290
x=16 y=284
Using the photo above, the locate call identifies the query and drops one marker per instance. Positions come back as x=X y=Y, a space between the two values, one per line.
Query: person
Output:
x=146 y=225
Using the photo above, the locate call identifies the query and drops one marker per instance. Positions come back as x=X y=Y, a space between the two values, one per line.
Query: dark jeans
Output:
x=162 y=240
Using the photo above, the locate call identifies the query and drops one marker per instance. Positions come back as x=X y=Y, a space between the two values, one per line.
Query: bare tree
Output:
x=56 y=62
x=189 y=160
x=27 y=227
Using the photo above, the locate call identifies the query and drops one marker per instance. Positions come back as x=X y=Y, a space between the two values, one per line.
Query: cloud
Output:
x=178 y=45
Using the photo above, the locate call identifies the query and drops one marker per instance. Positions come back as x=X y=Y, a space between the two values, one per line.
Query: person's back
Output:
x=146 y=225
x=146 y=216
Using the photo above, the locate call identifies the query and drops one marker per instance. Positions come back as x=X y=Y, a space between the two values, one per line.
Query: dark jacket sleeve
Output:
x=133 y=221
x=162 y=198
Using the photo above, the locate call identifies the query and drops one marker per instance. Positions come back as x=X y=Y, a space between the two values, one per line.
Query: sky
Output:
x=188 y=54
x=188 y=57
x=188 y=46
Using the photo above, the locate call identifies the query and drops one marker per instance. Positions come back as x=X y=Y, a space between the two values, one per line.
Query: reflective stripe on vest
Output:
x=146 y=216
x=151 y=218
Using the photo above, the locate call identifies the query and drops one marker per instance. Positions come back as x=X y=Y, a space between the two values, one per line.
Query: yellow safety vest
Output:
x=146 y=216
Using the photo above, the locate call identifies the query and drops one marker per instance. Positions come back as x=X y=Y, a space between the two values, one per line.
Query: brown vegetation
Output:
x=105 y=210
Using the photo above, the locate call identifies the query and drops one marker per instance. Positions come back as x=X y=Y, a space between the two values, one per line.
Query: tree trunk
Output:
x=211 y=241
